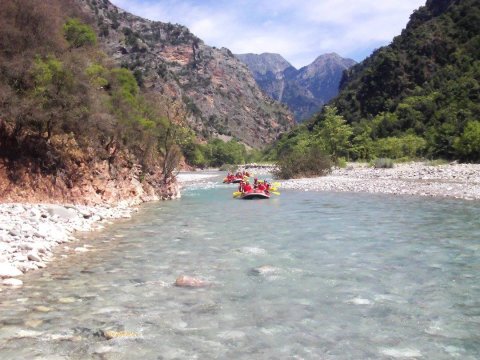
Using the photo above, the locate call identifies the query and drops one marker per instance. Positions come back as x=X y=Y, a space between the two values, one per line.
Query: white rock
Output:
x=62 y=212
x=8 y=271
x=34 y=256
x=12 y=282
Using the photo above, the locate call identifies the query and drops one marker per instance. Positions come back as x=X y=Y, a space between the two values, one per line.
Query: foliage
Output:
x=426 y=81
x=419 y=96
x=303 y=162
x=55 y=88
x=333 y=133
x=219 y=152
x=410 y=146
x=467 y=145
x=79 y=34
x=341 y=163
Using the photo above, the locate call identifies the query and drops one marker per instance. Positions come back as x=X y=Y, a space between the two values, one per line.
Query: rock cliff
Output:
x=215 y=90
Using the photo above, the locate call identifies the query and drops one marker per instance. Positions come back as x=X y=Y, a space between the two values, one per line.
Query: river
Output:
x=304 y=275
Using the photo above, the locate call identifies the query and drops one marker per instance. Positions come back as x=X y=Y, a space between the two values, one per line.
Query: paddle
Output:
x=274 y=192
x=237 y=194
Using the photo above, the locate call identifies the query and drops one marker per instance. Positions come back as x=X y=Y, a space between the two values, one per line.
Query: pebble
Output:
x=111 y=334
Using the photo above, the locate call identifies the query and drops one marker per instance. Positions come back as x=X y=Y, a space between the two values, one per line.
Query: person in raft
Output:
x=247 y=187
x=261 y=187
x=241 y=184
x=266 y=184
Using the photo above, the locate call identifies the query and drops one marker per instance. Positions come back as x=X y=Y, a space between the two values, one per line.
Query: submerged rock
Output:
x=66 y=300
x=42 y=308
x=112 y=334
x=265 y=270
x=33 y=323
x=189 y=281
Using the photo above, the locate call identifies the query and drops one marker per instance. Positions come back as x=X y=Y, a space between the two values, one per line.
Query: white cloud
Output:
x=298 y=30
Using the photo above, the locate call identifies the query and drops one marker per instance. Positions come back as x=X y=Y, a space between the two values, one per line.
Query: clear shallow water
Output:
x=349 y=276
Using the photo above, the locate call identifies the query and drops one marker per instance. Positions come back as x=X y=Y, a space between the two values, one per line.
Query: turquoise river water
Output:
x=303 y=275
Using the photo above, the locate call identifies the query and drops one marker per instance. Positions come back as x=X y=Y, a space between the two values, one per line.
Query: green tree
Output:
x=53 y=90
x=79 y=34
x=467 y=145
x=334 y=133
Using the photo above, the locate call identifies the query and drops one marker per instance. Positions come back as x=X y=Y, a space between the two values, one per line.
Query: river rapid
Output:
x=304 y=275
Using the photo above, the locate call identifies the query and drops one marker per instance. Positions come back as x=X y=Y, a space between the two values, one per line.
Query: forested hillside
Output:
x=419 y=96
x=73 y=127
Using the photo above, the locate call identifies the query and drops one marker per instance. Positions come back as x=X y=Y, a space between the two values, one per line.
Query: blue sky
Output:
x=298 y=30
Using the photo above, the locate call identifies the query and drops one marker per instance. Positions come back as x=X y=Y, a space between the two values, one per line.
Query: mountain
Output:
x=417 y=97
x=426 y=82
x=304 y=90
x=214 y=90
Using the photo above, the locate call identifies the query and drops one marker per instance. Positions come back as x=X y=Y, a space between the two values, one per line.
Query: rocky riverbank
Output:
x=30 y=232
x=459 y=181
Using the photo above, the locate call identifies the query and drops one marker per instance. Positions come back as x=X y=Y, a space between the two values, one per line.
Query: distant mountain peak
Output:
x=304 y=90
x=264 y=62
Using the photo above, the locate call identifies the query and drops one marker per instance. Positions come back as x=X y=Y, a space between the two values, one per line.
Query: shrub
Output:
x=410 y=146
x=79 y=34
x=383 y=163
x=341 y=163
x=303 y=162
x=467 y=145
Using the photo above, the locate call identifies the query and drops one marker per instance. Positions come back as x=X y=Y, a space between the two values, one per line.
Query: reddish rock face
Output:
x=190 y=282
x=91 y=183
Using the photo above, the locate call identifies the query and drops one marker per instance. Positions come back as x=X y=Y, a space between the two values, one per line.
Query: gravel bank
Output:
x=460 y=181
x=29 y=232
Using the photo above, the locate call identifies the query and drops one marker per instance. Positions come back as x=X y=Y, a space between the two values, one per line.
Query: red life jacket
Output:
x=247 y=188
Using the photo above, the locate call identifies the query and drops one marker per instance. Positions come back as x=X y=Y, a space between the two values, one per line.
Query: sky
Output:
x=298 y=30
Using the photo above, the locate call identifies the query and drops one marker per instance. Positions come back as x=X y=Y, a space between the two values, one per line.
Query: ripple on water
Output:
x=401 y=353
x=251 y=250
